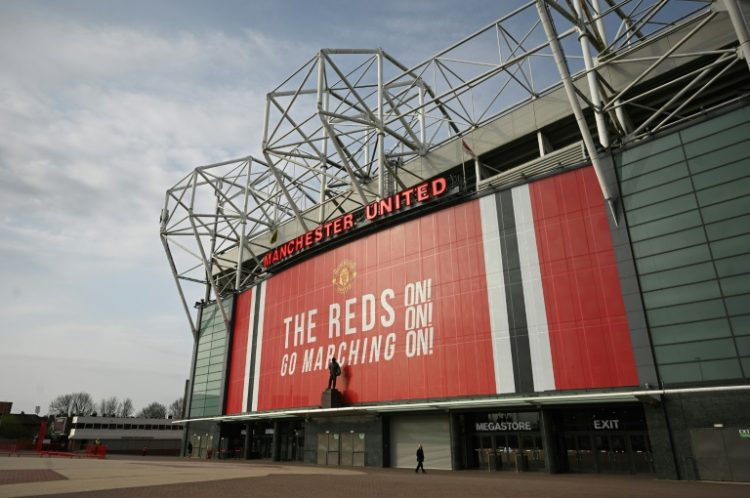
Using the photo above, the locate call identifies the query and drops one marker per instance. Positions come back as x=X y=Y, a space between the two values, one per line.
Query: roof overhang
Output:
x=646 y=396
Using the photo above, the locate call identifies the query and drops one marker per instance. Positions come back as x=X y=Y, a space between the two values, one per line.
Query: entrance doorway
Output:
x=328 y=449
x=609 y=439
x=291 y=441
x=509 y=452
x=201 y=444
x=232 y=440
x=341 y=449
x=261 y=440
x=721 y=453
x=353 y=449
x=507 y=441
x=624 y=453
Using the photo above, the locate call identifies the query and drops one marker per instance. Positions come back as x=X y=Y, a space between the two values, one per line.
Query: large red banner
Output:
x=403 y=310
x=408 y=314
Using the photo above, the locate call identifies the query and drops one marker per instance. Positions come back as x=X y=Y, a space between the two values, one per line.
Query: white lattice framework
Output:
x=351 y=125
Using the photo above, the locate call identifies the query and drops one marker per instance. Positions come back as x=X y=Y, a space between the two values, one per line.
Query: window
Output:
x=210 y=364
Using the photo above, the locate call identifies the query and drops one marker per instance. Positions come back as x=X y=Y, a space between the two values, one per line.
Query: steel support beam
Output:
x=583 y=38
x=740 y=28
x=570 y=91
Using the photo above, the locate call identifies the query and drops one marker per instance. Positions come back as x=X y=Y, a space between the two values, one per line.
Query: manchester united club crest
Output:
x=343 y=276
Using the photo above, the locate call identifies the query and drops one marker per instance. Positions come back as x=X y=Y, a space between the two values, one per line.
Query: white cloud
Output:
x=96 y=122
x=136 y=358
x=110 y=120
x=53 y=52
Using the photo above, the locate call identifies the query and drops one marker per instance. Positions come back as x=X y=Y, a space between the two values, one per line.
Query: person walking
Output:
x=420 y=460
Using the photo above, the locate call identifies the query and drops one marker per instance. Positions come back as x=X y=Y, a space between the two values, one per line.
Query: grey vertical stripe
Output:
x=260 y=314
x=533 y=292
x=251 y=325
x=519 y=334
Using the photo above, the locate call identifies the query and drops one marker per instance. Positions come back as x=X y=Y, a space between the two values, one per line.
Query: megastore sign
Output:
x=508 y=422
x=502 y=426
x=397 y=202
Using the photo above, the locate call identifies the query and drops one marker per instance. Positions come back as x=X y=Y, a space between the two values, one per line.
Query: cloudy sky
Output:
x=103 y=106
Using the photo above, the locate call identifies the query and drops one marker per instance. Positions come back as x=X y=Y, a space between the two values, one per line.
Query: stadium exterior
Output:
x=529 y=252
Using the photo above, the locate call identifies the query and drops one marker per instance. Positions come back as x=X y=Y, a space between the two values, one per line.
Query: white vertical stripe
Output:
x=259 y=345
x=493 y=265
x=533 y=294
x=249 y=353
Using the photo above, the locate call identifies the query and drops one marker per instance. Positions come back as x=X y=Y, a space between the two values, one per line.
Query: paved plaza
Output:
x=180 y=478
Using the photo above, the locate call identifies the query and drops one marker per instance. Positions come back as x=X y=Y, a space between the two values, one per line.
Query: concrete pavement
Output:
x=134 y=477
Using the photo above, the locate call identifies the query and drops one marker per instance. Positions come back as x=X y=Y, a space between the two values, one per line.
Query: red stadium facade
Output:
x=407 y=326
x=512 y=294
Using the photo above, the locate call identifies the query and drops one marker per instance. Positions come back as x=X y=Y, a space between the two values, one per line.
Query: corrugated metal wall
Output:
x=432 y=431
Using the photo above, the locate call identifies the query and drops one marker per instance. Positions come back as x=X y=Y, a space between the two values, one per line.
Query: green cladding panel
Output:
x=210 y=362
x=687 y=202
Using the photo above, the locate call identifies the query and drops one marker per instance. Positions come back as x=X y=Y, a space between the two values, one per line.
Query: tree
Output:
x=109 y=406
x=72 y=404
x=126 y=408
x=154 y=410
x=175 y=409
x=60 y=405
x=82 y=404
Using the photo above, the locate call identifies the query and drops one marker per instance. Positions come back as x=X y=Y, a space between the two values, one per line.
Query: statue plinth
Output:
x=331 y=398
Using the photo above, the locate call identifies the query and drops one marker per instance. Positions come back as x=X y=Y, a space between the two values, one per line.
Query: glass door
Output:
x=620 y=453
x=643 y=461
x=195 y=441
x=486 y=460
x=612 y=455
x=508 y=448
x=580 y=454
x=533 y=451
x=603 y=452
x=571 y=451
x=483 y=452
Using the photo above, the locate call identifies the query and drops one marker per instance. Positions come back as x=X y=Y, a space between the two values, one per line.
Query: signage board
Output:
x=515 y=292
x=405 y=199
